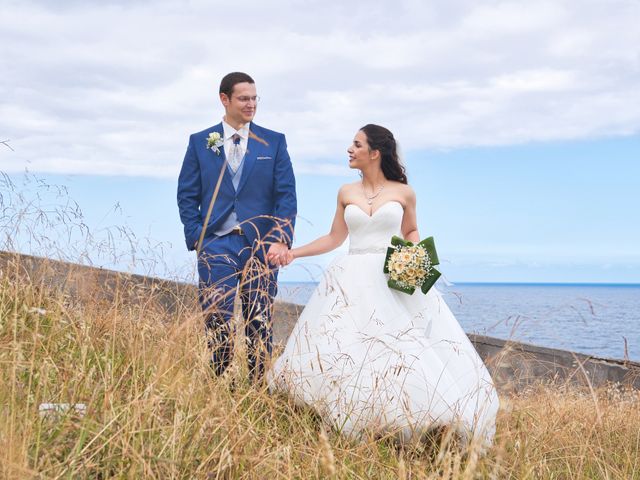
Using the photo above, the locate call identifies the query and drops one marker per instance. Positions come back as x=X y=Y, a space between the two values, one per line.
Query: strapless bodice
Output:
x=372 y=233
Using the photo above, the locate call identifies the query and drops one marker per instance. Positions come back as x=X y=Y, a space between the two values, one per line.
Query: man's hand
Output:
x=278 y=254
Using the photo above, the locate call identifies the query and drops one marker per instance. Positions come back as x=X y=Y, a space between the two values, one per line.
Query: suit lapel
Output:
x=219 y=160
x=253 y=150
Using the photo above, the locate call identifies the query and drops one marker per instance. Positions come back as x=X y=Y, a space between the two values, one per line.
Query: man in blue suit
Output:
x=237 y=202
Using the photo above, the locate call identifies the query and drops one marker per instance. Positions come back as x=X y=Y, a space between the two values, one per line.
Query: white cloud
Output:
x=116 y=87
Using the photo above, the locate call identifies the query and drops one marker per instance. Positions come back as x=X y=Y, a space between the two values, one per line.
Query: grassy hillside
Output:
x=154 y=410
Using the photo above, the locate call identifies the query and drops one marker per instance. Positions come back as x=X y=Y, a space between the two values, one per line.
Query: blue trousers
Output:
x=224 y=264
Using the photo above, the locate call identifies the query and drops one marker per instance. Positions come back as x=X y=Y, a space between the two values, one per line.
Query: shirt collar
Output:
x=229 y=131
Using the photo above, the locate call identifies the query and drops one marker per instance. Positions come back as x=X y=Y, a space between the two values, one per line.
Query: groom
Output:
x=237 y=202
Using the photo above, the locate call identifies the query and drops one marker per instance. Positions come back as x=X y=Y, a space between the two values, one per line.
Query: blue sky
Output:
x=548 y=212
x=521 y=134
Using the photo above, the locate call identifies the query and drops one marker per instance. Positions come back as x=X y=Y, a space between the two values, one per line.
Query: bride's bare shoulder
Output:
x=405 y=192
x=352 y=185
x=409 y=192
x=348 y=188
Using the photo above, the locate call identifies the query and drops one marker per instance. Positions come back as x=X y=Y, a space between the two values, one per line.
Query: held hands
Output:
x=279 y=255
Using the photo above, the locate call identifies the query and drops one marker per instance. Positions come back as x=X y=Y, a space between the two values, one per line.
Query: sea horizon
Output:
x=603 y=318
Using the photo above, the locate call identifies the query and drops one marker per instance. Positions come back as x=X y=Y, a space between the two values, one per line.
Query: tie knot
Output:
x=236 y=139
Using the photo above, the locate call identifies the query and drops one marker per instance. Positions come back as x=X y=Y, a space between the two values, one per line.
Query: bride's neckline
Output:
x=376 y=210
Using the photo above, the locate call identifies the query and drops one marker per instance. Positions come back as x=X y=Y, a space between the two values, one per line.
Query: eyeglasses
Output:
x=247 y=99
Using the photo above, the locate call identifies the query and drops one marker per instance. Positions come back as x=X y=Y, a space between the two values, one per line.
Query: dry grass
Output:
x=154 y=410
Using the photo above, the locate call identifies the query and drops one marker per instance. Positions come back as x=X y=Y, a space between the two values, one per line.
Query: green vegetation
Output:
x=154 y=410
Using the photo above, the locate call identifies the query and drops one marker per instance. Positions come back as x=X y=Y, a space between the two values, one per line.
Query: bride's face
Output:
x=360 y=155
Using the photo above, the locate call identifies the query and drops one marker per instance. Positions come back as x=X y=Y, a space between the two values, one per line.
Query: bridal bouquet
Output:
x=411 y=266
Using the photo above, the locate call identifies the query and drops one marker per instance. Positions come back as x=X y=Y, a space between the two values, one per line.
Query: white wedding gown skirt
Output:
x=372 y=359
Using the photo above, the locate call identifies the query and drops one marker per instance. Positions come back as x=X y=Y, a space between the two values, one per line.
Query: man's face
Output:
x=240 y=108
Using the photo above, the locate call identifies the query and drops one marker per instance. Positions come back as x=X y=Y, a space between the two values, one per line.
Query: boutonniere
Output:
x=214 y=142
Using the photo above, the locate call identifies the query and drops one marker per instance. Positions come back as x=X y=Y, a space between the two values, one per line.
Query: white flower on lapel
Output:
x=214 y=142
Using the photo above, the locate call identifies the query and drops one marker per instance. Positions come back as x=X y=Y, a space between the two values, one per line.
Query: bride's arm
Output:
x=326 y=243
x=409 y=221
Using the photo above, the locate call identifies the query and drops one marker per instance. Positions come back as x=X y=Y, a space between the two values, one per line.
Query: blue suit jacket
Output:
x=265 y=201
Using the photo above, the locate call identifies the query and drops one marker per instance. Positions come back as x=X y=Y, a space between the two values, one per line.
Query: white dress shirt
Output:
x=229 y=131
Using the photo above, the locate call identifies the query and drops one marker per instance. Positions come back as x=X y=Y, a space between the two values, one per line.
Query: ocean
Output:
x=595 y=319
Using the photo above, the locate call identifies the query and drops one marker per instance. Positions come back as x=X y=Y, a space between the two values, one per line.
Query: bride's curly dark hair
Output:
x=381 y=139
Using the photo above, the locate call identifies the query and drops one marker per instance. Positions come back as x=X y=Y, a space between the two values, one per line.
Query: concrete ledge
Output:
x=513 y=365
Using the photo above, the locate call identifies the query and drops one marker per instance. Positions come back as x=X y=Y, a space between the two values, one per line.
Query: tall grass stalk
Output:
x=155 y=410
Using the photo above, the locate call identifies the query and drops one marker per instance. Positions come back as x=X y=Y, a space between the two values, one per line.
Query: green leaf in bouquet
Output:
x=430 y=281
x=429 y=245
x=393 y=284
x=396 y=241
x=390 y=251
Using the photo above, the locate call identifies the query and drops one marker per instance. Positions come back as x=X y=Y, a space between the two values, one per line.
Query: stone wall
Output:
x=513 y=365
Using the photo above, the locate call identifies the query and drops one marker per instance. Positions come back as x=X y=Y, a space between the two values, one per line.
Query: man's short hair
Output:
x=230 y=79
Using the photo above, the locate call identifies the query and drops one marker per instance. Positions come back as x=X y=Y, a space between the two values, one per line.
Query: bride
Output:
x=373 y=360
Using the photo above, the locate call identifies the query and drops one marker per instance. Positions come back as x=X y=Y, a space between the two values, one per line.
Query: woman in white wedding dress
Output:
x=368 y=358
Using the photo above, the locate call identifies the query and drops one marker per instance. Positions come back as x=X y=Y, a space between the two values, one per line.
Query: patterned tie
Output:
x=236 y=155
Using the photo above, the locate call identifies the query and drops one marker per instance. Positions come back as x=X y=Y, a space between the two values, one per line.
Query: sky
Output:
x=518 y=121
